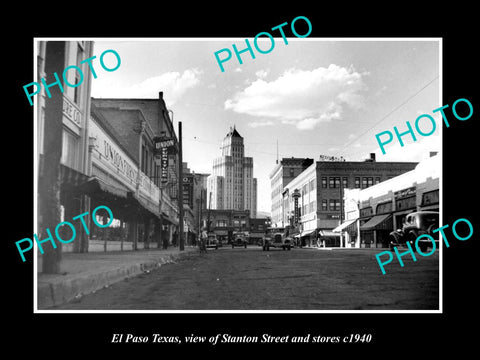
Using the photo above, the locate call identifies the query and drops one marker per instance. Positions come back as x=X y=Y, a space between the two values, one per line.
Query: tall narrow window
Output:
x=78 y=79
x=70 y=150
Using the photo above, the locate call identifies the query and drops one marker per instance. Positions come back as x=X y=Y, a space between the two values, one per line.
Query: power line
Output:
x=391 y=112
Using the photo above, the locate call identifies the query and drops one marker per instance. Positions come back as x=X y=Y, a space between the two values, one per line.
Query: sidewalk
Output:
x=84 y=273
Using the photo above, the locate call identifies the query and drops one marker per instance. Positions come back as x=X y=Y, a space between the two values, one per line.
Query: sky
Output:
x=313 y=96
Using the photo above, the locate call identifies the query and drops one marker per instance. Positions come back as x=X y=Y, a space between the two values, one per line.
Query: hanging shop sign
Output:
x=164 y=146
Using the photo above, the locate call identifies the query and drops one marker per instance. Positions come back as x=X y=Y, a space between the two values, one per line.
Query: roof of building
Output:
x=154 y=111
x=122 y=125
x=234 y=133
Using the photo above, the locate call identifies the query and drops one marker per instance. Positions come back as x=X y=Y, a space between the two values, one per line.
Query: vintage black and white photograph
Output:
x=269 y=174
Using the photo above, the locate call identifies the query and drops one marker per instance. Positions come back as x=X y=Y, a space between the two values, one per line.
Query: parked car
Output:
x=275 y=237
x=212 y=241
x=416 y=223
x=239 y=239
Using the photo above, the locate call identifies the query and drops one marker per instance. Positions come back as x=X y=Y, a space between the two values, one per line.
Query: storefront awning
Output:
x=378 y=222
x=145 y=206
x=343 y=225
x=307 y=232
x=94 y=185
x=328 y=233
x=166 y=219
x=69 y=176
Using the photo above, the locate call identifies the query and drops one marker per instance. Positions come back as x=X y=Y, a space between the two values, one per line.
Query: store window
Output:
x=384 y=208
x=366 y=211
x=406 y=203
x=221 y=223
x=431 y=197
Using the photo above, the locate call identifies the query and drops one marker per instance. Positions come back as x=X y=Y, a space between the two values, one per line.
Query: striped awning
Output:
x=379 y=222
x=328 y=233
x=69 y=176
x=95 y=185
x=344 y=225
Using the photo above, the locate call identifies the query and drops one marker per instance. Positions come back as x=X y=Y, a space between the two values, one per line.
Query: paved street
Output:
x=252 y=279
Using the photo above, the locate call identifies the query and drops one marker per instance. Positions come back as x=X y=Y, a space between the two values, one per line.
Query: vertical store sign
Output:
x=164 y=165
x=164 y=147
x=296 y=195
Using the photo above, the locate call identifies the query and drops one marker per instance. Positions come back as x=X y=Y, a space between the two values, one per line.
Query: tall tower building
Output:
x=231 y=186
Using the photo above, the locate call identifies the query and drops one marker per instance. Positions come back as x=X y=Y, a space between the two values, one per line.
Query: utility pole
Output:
x=208 y=214
x=341 y=210
x=180 y=189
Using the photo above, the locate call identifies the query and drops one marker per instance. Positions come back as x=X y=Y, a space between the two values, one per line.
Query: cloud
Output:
x=173 y=84
x=302 y=98
x=255 y=124
x=261 y=74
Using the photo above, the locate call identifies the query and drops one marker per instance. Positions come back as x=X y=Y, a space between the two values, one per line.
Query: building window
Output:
x=384 y=208
x=70 y=150
x=312 y=184
x=367 y=182
x=406 y=203
x=334 y=182
x=431 y=197
x=292 y=172
x=345 y=182
x=324 y=182
x=76 y=94
x=357 y=183
x=334 y=205
x=377 y=180
x=221 y=223
x=366 y=211
x=304 y=190
x=324 y=205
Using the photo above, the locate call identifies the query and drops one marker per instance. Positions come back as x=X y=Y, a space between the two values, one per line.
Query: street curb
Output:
x=54 y=293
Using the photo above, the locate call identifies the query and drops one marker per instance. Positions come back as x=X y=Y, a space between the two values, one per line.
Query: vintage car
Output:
x=416 y=223
x=275 y=237
x=212 y=241
x=239 y=239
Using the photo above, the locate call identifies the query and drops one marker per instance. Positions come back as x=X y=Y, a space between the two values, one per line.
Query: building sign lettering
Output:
x=296 y=210
x=164 y=165
x=71 y=112
x=167 y=143
x=331 y=158
x=411 y=191
x=110 y=155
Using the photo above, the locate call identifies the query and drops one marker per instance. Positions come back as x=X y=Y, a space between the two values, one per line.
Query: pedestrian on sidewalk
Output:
x=203 y=241
x=164 y=241
x=175 y=237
